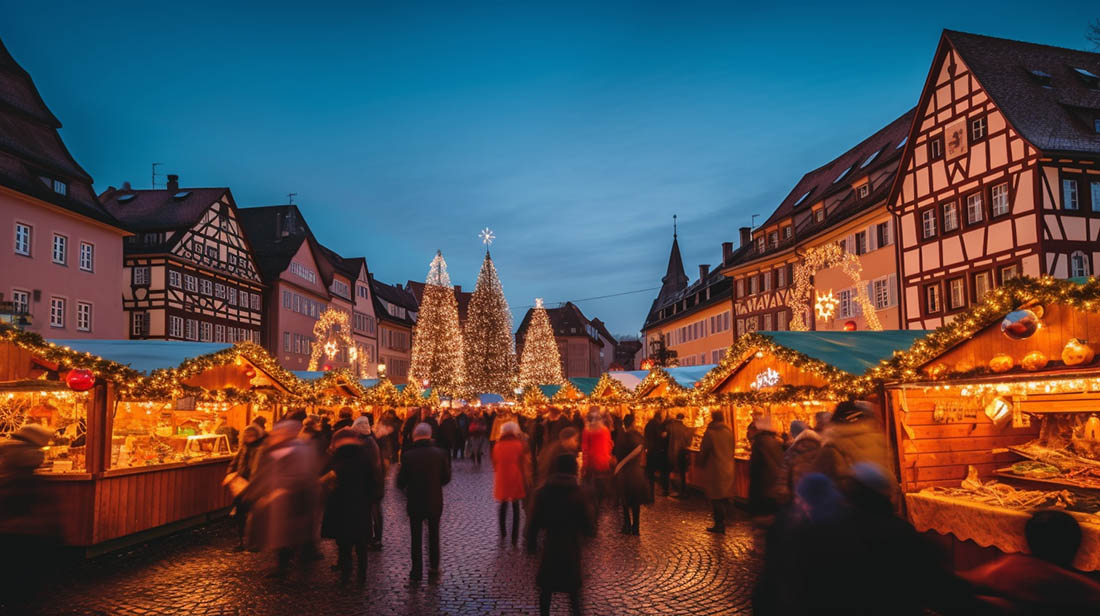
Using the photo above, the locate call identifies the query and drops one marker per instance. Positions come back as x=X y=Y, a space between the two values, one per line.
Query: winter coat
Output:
x=716 y=460
x=596 y=446
x=510 y=469
x=679 y=439
x=631 y=480
x=247 y=458
x=425 y=469
x=562 y=511
x=284 y=496
x=448 y=433
x=1023 y=584
x=547 y=456
x=27 y=504
x=766 y=489
x=347 y=508
x=800 y=458
x=554 y=428
x=845 y=444
x=462 y=421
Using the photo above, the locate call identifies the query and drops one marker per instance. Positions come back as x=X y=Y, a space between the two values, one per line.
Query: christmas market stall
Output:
x=331 y=391
x=997 y=414
x=154 y=428
x=673 y=390
x=614 y=391
x=794 y=375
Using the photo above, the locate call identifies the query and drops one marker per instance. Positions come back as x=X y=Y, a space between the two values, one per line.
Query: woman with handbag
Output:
x=629 y=475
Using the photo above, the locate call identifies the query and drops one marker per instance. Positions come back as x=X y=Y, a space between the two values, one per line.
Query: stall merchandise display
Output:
x=151 y=433
x=63 y=412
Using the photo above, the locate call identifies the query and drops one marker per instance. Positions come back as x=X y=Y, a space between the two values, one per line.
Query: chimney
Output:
x=458 y=289
x=125 y=186
x=173 y=183
x=746 y=235
x=727 y=251
x=704 y=269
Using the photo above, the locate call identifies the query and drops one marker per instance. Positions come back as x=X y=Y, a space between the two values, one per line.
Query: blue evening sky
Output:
x=575 y=131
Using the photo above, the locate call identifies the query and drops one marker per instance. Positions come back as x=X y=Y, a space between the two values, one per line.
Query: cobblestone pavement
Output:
x=674 y=567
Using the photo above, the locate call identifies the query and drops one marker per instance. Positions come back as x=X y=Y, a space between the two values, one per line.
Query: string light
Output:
x=540 y=362
x=437 y=353
x=821 y=257
x=490 y=348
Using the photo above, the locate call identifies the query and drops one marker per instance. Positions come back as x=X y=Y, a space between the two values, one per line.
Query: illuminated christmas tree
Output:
x=540 y=363
x=437 y=341
x=490 y=351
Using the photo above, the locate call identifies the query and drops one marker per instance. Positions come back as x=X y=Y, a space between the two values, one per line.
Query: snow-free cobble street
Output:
x=674 y=567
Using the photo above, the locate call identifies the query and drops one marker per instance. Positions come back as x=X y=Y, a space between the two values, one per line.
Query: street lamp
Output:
x=381 y=371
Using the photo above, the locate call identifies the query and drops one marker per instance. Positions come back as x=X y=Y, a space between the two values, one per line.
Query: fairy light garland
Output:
x=333 y=329
x=818 y=258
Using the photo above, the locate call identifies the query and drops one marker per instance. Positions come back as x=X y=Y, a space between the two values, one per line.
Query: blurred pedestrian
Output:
x=716 y=461
x=344 y=420
x=462 y=432
x=596 y=446
x=240 y=474
x=556 y=421
x=765 y=464
x=352 y=477
x=801 y=456
x=656 y=455
x=477 y=439
x=424 y=470
x=448 y=433
x=511 y=476
x=630 y=477
x=1043 y=582
x=560 y=510
x=373 y=437
x=284 y=497
x=567 y=443
x=679 y=442
x=852 y=435
x=30 y=523
x=311 y=433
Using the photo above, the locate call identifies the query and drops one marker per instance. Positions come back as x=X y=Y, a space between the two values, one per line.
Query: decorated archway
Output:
x=824 y=306
x=333 y=332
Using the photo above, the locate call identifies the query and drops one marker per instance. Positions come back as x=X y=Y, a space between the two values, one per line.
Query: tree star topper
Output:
x=487 y=236
x=538 y=302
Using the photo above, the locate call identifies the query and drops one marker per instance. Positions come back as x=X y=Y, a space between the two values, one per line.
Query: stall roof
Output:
x=490 y=398
x=629 y=378
x=687 y=376
x=145 y=355
x=549 y=390
x=308 y=375
x=585 y=384
x=368 y=383
x=853 y=352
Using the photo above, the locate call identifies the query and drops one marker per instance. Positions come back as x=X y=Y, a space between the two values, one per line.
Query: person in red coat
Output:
x=596 y=448
x=510 y=479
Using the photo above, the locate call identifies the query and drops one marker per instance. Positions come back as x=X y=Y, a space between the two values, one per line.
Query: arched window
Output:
x=1078 y=265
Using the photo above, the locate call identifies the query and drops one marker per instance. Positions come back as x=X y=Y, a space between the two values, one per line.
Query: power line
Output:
x=588 y=299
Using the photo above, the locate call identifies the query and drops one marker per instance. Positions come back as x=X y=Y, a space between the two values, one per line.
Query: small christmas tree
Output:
x=490 y=350
x=540 y=363
x=437 y=341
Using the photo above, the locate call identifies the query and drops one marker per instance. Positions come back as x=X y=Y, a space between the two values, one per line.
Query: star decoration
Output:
x=538 y=302
x=826 y=305
x=487 y=236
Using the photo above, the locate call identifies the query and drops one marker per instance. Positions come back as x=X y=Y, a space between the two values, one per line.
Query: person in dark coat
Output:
x=561 y=510
x=801 y=456
x=412 y=418
x=765 y=462
x=656 y=458
x=630 y=477
x=716 y=464
x=344 y=420
x=679 y=440
x=424 y=470
x=556 y=421
x=30 y=518
x=448 y=434
x=462 y=422
x=568 y=443
x=351 y=476
x=244 y=465
x=372 y=442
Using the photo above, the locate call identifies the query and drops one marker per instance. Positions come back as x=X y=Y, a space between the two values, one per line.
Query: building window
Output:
x=861 y=243
x=928 y=223
x=84 y=316
x=1095 y=189
x=773 y=239
x=303 y=272
x=999 y=199
x=983 y=284
x=362 y=291
x=880 y=291
x=883 y=235
x=212 y=253
x=139 y=324
x=752 y=285
x=760 y=244
x=788 y=232
x=956 y=294
x=232 y=296
x=191 y=329
x=21 y=302
x=206 y=287
x=190 y=282
x=935 y=148
x=1078 y=265
x=932 y=299
x=174 y=279
x=848 y=306
x=767 y=279
x=175 y=327
x=1009 y=272
x=950 y=217
x=141 y=275
x=219 y=290
x=87 y=256
x=768 y=322
x=974 y=211
x=864 y=190
x=819 y=214
x=782 y=318
x=22 y=239
x=254 y=301
x=977 y=129
x=219 y=333
x=60 y=249
x=1069 y=193
x=206 y=331
x=781 y=277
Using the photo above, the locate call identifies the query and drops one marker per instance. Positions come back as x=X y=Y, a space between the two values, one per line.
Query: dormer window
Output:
x=842 y=174
x=807 y=194
x=1040 y=77
x=870 y=159
x=773 y=239
x=760 y=244
x=819 y=214
x=787 y=232
x=1090 y=78
x=864 y=190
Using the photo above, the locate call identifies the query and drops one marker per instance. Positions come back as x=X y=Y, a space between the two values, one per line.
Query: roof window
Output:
x=901 y=144
x=803 y=198
x=1040 y=77
x=183 y=194
x=125 y=198
x=870 y=159
x=842 y=174
x=1090 y=78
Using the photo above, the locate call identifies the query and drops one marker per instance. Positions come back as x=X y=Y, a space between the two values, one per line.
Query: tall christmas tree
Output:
x=437 y=341
x=490 y=350
x=540 y=363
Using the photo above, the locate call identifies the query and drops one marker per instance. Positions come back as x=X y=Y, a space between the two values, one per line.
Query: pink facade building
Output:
x=61 y=250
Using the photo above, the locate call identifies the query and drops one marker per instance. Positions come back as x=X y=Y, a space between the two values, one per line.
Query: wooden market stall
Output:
x=998 y=414
x=674 y=390
x=791 y=376
x=331 y=391
x=147 y=445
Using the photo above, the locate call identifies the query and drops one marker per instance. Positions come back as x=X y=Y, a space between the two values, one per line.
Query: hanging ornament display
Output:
x=1020 y=324
x=1035 y=360
x=1001 y=362
x=1077 y=352
x=80 y=379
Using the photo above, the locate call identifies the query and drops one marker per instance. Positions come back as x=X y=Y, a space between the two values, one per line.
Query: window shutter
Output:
x=872 y=239
x=892 y=290
x=850 y=244
x=890 y=231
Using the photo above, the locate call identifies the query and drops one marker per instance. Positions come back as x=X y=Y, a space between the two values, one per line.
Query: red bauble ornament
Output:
x=80 y=379
x=849 y=326
x=326 y=367
x=250 y=372
x=648 y=364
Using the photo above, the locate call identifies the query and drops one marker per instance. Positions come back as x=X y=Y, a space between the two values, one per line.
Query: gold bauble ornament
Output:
x=1035 y=360
x=1077 y=352
x=1001 y=362
x=964 y=366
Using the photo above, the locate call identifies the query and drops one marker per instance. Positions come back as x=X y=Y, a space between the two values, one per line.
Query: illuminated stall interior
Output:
x=673 y=390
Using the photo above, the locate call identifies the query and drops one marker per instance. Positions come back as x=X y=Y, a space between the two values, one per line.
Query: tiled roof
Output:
x=720 y=290
x=31 y=148
x=565 y=320
x=160 y=210
x=276 y=232
x=395 y=295
x=462 y=297
x=1055 y=118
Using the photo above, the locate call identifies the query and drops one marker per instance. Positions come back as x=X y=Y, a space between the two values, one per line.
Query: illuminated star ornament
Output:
x=538 y=302
x=487 y=237
x=825 y=305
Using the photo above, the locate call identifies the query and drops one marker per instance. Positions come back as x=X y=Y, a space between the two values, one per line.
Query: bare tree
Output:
x=1093 y=33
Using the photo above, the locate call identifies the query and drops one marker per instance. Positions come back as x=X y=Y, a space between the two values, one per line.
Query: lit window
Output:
x=932 y=299
x=974 y=212
x=57 y=312
x=999 y=199
x=1069 y=193
x=950 y=216
x=60 y=249
x=84 y=316
x=928 y=223
x=22 y=239
x=983 y=284
x=1078 y=265
x=87 y=256
x=819 y=214
x=787 y=232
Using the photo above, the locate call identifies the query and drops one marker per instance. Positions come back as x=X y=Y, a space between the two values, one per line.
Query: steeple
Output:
x=675 y=279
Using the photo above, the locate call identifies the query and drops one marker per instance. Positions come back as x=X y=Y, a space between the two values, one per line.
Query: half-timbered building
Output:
x=831 y=239
x=60 y=250
x=1000 y=176
x=189 y=270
